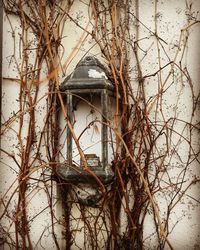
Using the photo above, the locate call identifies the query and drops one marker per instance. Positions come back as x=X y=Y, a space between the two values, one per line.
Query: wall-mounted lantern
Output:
x=88 y=86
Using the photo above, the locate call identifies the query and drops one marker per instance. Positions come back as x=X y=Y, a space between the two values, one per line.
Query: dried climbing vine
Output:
x=141 y=168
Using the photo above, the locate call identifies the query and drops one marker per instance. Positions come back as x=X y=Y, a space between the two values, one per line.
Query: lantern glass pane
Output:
x=62 y=137
x=113 y=123
x=87 y=126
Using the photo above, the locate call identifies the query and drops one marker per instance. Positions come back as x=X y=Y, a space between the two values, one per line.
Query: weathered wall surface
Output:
x=168 y=37
x=179 y=45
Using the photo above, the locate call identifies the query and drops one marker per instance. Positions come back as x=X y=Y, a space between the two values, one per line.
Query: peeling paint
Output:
x=92 y=73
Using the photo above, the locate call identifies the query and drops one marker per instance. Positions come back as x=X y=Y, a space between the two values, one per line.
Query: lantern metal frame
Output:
x=79 y=84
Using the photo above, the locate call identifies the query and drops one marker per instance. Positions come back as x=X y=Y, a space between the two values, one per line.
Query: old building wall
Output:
x=165 y=36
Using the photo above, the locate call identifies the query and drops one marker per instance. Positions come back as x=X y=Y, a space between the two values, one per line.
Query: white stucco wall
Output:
x=172 y=17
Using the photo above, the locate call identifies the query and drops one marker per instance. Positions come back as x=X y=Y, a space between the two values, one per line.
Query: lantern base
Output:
x=75 y=175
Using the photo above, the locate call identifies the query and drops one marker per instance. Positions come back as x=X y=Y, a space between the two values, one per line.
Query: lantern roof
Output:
x=88 y=74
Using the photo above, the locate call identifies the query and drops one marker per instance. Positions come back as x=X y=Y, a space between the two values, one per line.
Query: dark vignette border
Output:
x=1 y=45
